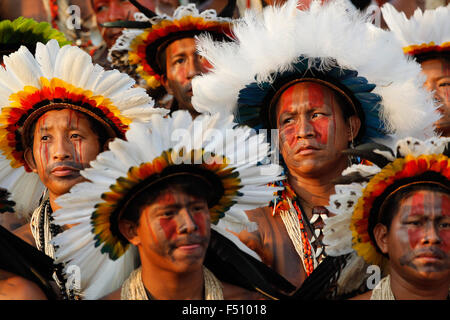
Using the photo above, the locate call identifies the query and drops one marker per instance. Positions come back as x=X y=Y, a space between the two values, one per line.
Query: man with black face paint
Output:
x=399 y=219
x=55 y=121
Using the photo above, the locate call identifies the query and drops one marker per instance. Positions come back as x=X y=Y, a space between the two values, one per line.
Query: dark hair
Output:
x=422 y=57
x=361 y=4
x=186 y=184
x=392 y=206
x=95 y=126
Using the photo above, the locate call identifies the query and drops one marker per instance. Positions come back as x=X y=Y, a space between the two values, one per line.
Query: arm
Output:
x=13 y=287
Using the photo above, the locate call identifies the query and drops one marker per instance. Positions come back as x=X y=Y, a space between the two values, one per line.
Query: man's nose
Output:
x=305 y=128
x=431 y=235
x=62 y=149
x=195 y=67
x=186 y=223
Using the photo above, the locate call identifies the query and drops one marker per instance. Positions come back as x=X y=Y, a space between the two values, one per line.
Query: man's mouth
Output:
x=65 y=171
x=430 y=256
x=306 y=150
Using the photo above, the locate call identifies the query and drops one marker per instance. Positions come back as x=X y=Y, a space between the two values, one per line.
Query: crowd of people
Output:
x=218 y=150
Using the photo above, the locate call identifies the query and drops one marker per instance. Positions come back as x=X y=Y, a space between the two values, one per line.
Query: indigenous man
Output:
x=13 y=34
x=319 y=107
x=399 y=219
x=162 y=196
x=58 y=111
x=25 y=273
x=426 y=37
x=163 y=55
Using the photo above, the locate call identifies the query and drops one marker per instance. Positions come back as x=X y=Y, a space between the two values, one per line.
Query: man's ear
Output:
x=380 y=234
x=354 y=127
x=165 y=83
x=29 y=159
x=129 y=230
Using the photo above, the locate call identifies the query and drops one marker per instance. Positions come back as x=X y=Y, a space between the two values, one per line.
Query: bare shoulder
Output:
x=115 y=295
x=259 y=215
x=365 y=296
x=232 y=292
x=24 y=233
x=13 y=287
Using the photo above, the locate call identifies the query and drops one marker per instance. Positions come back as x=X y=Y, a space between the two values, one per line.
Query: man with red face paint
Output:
x=429 y=48
x=54 y=123
x=163 y=56
x=315 y=109
x=401 y=222
x=170 y=205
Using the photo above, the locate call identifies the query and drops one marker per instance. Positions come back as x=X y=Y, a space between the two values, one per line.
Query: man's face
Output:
x=174 y=231
x=182 y=65
x=438 y=80
x=419 y=237
x=114 y=10
x=312 y=129
x=63 y=144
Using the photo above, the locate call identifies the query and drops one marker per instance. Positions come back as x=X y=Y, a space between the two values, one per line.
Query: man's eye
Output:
x=75 y=136
x=444 y=84
x=317 y=115
x=169 y=213
x=101 y=8
x=45 y=138
x=287 y=120
x=414 y=222
x=444 y=225
x=179 y=61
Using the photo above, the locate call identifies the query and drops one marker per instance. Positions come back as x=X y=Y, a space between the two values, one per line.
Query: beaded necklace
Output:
x=44 y=231
x=287 y=205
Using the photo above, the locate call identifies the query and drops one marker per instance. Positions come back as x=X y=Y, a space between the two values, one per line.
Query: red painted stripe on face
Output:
x=415 y=235
x=169 y=227
x=321 y=125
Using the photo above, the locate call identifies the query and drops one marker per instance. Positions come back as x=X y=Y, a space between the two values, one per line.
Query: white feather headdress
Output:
x=151 y=152
x=333 y=39
x=423 y=32
x=57 y=77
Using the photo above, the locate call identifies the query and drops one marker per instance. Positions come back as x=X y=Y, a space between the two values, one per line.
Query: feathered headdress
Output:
x=27 y=32
x=423 y=33
x=358 y=202
x=57 y=78
x=137 y=51
x=330 y=44
x=207 y=147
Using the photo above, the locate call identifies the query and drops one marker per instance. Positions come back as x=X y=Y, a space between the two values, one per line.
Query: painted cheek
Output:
x=169 y=227
x=416 y=234
x=289 y=135
x=321 y=128
x=200 y=221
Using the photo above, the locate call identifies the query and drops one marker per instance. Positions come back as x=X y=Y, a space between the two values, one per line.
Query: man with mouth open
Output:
x=54 y=122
